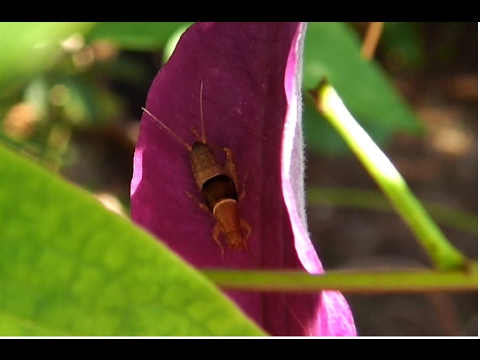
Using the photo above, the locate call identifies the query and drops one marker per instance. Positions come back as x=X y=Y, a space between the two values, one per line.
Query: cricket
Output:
x=218 y=186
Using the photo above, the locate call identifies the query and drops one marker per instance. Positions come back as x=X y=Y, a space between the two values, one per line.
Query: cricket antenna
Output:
x=204 y=139
x=183 y=142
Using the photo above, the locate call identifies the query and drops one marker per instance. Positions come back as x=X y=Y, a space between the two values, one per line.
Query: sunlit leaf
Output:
x=136 y=35
x=70 y=267
x=31 y=47
x=332 y=50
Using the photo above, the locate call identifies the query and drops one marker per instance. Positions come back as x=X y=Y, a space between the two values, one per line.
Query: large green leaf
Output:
x=332 y=50
x=70 y=267
x=136 y=35
x=31 y=47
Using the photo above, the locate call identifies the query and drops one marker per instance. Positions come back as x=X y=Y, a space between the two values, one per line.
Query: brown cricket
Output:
x=218 y=185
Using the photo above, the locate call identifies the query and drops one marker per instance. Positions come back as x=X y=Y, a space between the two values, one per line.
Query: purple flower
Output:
x=250 y=101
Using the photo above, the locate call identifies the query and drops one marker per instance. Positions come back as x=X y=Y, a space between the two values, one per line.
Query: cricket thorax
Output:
x=204 y=164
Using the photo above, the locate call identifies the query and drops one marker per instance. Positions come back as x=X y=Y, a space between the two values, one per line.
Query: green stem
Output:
x=366 y=282
x=442 y=253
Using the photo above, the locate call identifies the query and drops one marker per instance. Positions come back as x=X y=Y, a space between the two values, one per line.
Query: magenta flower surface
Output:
x=251 y=104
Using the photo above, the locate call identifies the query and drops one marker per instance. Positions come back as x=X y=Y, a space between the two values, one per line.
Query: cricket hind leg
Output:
x=229 y=166
x=231 y=171
x=248 y=229
x=242 y=194
x=201 y=205
x=217 y=232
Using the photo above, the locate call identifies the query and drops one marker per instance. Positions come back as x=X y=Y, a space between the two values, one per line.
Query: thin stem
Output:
x=371 y=39
x=442 y=253
x=365 y=282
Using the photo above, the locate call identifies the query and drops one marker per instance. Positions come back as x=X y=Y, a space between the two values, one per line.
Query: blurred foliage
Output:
x=60 y=78
x=79 y=68
x=332 y=50
x=403 y=43
x=138 y=36
x=32 y=48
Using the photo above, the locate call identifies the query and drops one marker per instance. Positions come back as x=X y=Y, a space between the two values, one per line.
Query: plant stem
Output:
x=365 y=282
x=442 y=253
x=372 y=38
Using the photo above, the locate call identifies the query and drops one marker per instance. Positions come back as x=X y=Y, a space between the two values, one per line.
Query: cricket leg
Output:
x=244 y=225
x=242 y=194
x=216 y=237
x=199 y=203
x=230 y=168
x=231 y=171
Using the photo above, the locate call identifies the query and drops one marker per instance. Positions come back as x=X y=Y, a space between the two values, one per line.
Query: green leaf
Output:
x=142 y=36
x=403 y=41
x=29 y=48
x=70 y=267
x=173 y=40
x=332 y=50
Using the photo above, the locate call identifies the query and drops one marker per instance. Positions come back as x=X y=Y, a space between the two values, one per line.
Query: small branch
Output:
x=372 y=37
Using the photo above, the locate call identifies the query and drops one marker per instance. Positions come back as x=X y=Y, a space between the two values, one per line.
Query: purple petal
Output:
x=246 y=68
x=335 y=317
